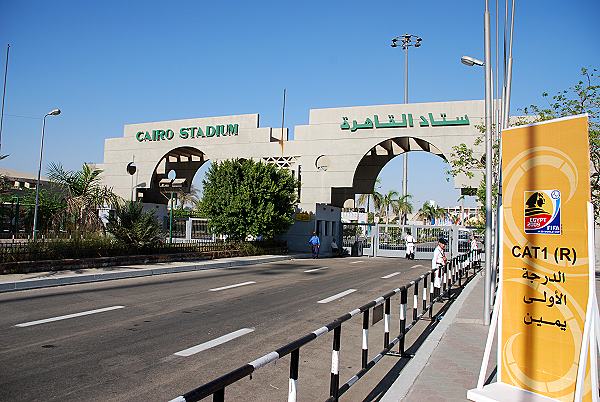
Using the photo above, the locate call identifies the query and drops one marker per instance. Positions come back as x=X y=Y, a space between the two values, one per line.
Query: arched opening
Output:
x=185 y=161
x=373 y=162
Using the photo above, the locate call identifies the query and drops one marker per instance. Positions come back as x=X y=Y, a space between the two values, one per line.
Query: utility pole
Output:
x=406 y=42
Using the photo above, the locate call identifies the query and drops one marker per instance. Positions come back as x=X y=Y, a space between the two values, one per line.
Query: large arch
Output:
x=374 y=160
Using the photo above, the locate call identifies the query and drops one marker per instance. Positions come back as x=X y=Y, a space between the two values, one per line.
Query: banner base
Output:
x=501 y=392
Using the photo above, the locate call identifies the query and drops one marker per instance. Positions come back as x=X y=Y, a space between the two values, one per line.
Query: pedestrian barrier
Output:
x=456 y=273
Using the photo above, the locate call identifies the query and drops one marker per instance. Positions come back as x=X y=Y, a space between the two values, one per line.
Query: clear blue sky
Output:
x=107 y=63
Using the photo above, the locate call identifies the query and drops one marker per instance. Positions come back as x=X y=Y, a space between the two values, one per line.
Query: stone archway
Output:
x=185 y=161
x=373 y=162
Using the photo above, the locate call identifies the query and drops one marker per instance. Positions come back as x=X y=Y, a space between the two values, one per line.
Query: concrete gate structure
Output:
x=338 y=154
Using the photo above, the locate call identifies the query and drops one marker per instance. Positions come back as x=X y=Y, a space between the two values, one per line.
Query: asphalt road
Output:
x=157 y=337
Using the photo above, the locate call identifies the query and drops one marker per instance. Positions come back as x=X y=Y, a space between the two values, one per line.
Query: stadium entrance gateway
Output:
x=338 y=154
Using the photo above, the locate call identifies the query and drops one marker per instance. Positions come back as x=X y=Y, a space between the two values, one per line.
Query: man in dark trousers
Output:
x=315 y=244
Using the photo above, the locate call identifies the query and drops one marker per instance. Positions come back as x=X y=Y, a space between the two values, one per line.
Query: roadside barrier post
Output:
x=432 y=293
x=424 y=291
x=386 y=329
x=365 y=338
x=219 y=396
x=334 y=387
x=415 y=301
x=293 y=387
x=403 y=300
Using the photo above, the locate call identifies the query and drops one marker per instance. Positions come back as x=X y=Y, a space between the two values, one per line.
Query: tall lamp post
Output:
x=54 y=112
x=470 y=61
x=406 y=41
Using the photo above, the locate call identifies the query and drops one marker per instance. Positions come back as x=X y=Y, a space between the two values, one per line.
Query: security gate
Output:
x=387 y=240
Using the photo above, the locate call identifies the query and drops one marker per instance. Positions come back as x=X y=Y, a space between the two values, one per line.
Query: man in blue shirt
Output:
x=315 y=244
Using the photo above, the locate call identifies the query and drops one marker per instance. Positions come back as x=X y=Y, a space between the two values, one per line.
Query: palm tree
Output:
x=428 y=212
x=132 y=226
x=189 y=199
x=389 y=203
x=403 y=207
x=365 y=199
x=85 y=195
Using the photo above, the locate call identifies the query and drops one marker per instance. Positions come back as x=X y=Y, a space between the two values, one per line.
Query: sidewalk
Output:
x=15 y=282
x=448 y=362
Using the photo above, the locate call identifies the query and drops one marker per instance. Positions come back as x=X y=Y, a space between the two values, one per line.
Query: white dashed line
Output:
x=355 y=262
x=315 y=269
x=232 y=286
x=334 y=297
x=66 y=317
x=418 y=265
x=215 y=342
x=390 y=275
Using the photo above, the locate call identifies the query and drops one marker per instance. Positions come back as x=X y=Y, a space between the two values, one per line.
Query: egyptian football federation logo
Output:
x=542 y=212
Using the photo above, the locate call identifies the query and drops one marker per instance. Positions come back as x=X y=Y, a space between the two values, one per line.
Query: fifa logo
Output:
x=542 y=212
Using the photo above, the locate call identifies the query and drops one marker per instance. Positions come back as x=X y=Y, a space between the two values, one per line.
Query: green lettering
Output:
x=183 y=133
x=155 y=136
x=200 y=132
x=170 y=134
x=148 y=136
x=210 y=131
x=232 y=129
x=193 y=131
x=138 y=136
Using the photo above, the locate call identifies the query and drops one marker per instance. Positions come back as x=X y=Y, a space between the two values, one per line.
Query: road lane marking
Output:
x=66 y=317
x=334 y=297
x=418 y=265
x=232 y=286
x=315 y=269
x=390 y=275
x=215 y=342
x=355 y=262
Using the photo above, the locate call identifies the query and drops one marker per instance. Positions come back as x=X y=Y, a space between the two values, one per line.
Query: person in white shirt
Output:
x=439 y=260
x=410 y=246
x=473 y=244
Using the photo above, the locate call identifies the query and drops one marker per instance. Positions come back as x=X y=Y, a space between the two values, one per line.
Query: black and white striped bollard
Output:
x=293 y=387
x=403 y=300
x=386 y=322
x=365 y=338
x=334 y=387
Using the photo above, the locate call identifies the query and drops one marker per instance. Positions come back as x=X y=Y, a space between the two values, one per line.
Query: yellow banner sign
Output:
x=545 y=272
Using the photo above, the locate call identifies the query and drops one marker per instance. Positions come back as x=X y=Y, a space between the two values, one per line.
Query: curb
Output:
x=403 y=384
x=27 y=284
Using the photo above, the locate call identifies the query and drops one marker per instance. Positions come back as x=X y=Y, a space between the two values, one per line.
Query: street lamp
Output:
x=470 y=61
x=54 y=112
x=406 y=41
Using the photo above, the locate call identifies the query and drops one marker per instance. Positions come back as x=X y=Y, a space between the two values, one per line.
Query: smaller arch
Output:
x=185 y=161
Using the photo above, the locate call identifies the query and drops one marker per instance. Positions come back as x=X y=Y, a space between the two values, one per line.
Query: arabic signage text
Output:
x=407 y=121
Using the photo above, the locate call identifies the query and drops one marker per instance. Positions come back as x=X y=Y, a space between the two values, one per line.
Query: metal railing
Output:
x=436 y=286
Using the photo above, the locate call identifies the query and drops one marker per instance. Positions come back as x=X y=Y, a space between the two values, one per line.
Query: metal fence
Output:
x=436 y=286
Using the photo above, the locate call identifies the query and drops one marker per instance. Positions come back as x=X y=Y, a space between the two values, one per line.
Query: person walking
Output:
x=438 y=262
x=410 y=246
x=315 y=244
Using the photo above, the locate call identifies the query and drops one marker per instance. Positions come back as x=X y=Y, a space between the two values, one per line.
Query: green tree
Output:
x=365 y=199
x=189 y=200
x=429 y=212
x=388 y=204
x=85 y=195
x=243 y=197
x=403 y=207
x=583 y=97
x=133 y=226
